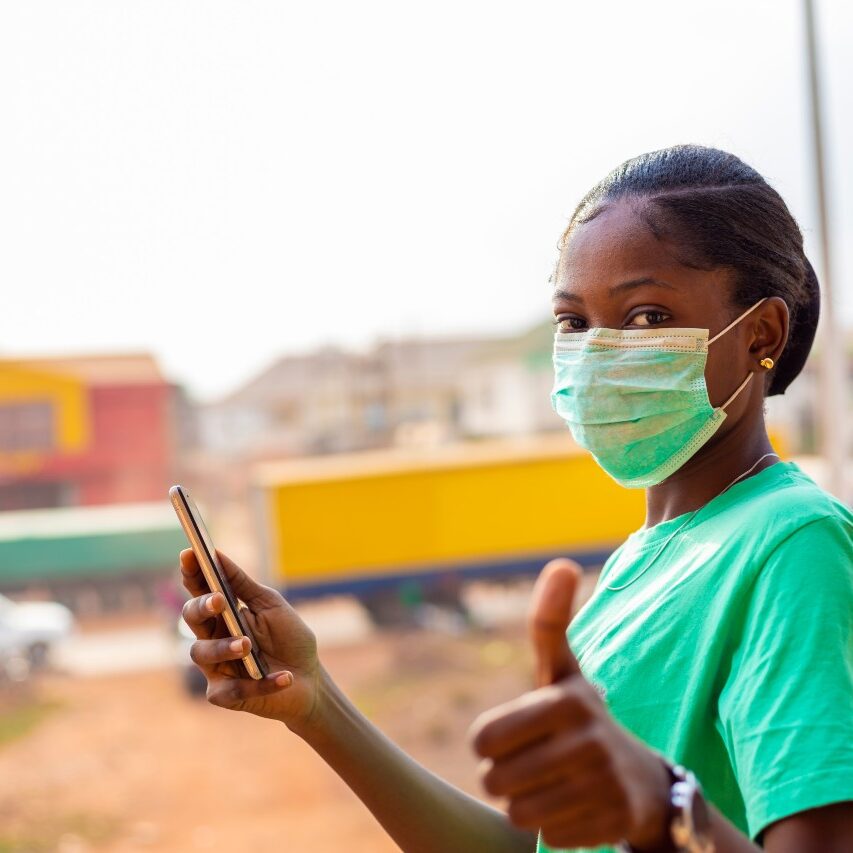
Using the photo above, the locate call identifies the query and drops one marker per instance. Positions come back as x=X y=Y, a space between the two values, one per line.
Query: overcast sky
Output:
x=222 y=182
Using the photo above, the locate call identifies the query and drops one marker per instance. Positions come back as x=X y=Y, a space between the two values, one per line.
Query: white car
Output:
x=34 y=627
x=14 y=665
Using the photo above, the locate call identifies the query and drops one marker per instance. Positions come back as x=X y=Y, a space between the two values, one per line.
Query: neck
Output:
x=710 y=471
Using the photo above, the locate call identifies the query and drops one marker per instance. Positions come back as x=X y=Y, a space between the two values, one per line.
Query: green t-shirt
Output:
x=733 y=653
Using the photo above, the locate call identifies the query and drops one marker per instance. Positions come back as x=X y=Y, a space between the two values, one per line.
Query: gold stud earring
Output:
x=767 y=362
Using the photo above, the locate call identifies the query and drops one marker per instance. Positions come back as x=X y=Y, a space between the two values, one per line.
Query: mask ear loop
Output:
x=720 y=334
x=735 y=322
x=739 y=389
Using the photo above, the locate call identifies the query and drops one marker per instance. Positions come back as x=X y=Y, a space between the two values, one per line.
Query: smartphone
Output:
x=202 y=545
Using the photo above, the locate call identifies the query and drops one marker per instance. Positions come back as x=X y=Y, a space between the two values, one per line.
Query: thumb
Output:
x=550 y=614
x=247 y=589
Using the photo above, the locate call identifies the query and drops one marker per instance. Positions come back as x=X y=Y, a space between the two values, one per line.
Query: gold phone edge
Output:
x=213 y=582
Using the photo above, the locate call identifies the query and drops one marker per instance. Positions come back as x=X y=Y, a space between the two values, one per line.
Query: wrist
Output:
x=313 y=726
x=687 y=822
x=337 y=732
x=654 y=836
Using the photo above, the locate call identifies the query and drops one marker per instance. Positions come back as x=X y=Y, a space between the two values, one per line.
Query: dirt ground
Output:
x=131 y=762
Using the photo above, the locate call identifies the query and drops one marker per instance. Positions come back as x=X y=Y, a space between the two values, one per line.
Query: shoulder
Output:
x=808 y=570
x=788 y=518
x=788 y=498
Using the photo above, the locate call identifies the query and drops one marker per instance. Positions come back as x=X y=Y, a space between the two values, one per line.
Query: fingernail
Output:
x=284 y=680
x=209 y=603
x=237 y=645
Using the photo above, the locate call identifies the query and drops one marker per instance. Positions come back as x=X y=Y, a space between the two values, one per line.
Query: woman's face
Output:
x=614 y=273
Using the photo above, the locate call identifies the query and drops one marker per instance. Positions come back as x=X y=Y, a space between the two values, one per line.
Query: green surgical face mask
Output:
x=637 y=398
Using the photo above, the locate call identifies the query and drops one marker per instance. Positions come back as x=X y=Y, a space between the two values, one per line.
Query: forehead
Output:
x=617 y=242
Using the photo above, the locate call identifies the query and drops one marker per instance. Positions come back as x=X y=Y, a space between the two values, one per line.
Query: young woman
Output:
x=718 y=643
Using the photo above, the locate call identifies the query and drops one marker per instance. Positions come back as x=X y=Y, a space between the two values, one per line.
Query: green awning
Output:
x=88 y=542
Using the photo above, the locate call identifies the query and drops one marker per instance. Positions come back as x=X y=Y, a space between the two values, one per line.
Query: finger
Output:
x=530 y=718
x=211 y=652
x=550 y=613
x=256 y=595
x=551 y=805
x=201 y=613
x=542 y=764
x=583 y=824
x=233 y=692
x=191 y=575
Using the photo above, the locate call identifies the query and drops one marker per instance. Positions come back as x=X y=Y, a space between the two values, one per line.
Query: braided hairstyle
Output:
x=718 y=212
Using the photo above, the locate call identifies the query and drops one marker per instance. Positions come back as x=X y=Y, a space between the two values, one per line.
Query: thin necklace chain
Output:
x=691 y=517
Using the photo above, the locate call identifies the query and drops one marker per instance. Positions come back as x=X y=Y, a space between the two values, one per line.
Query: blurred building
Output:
x=334 y=401
x=85 y=430
x=505 y=387
x=77 y=436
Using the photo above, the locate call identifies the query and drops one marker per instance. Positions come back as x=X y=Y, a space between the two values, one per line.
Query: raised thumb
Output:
x=550 y=614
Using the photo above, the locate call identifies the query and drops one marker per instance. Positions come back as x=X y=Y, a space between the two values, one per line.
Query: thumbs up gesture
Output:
x=563 y=763
x=550 y=614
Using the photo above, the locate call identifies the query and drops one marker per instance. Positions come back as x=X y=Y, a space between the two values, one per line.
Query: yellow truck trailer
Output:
x=363 y=523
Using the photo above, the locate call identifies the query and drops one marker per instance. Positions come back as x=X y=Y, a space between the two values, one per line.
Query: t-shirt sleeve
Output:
x=786 y=707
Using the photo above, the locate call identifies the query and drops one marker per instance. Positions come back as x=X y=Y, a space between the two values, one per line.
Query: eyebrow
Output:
x=566 y=296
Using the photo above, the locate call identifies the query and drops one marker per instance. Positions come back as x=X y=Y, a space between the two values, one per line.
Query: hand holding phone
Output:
x=291 y=692
x=211 y=567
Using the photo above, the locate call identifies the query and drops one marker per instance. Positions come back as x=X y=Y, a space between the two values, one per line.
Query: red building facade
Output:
x=127 y=422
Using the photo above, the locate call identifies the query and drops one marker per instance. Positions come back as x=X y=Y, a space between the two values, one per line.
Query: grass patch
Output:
x=18 y=720
x=50 y=833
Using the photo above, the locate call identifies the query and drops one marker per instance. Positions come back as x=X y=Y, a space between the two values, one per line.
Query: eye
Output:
x=569 y=323
x=648 y=318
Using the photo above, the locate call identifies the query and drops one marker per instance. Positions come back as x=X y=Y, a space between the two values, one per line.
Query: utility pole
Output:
x=833 y=357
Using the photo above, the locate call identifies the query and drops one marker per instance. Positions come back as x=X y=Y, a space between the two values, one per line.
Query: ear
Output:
x=769 y=328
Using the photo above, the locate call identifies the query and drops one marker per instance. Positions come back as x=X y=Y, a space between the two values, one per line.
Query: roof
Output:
x=83 y=521
x=98 y=369
x=289 y=374
x=534 y=346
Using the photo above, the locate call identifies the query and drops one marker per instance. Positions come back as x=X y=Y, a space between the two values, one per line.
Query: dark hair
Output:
x=719 y=212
